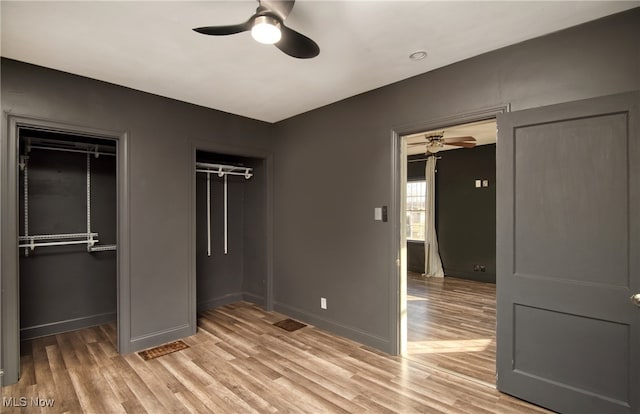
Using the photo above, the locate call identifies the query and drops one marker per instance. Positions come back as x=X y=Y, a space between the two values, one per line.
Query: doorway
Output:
x=449 y=322
x=61 y=159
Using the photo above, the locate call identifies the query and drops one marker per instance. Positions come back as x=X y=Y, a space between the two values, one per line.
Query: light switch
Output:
x=485 y=183
x=478 y=183
x=377 y=214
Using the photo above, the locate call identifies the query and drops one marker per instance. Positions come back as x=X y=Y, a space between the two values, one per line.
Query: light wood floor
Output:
x=452 y=325
x=238 y=362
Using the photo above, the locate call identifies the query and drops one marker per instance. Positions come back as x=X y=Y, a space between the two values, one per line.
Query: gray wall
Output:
x=65 y=287
x=161 y=137
x=324 y=198
x=466 y=214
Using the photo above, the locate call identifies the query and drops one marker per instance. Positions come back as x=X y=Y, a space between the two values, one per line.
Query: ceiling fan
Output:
x=267 y=26
x=436 y=142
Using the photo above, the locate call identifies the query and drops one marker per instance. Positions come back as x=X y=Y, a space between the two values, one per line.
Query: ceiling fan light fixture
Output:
x=267 y=26
x=266 y=29
x=434 y=145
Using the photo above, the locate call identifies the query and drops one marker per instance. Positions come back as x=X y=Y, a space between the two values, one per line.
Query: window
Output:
x=416 y=209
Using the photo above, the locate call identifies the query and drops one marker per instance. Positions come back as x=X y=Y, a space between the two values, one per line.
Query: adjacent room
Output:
x=451 y=271
x=227 y=207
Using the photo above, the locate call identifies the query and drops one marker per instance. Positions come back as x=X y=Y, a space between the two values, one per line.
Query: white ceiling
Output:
x=149 y=46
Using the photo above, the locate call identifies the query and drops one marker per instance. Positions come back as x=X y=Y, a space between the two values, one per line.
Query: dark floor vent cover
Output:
x=290 y=325
x=162 y=350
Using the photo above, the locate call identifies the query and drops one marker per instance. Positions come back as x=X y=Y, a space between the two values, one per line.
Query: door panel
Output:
x=567 y=255
x=563 y=211
x=545 y=343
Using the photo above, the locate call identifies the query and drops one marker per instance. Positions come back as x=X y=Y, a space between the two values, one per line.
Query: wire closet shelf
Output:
x=30 y=242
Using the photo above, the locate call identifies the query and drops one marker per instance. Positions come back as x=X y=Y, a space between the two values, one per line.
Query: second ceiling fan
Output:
x=436 y=142
x=267 y=26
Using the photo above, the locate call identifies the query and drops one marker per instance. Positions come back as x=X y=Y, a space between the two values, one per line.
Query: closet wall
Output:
x=65 y=287
x=238 y=274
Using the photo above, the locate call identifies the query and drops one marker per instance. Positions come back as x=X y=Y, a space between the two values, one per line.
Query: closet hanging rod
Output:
x=243 y=174
x=57 y=236
x=222 y=169
x=61 y=243
x=87 y=151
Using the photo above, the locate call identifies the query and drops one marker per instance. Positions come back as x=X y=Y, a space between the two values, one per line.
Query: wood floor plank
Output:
x=405 y=400
x=42 y=368
x=153 y=373
x=138 y=387
x=66 y=396
x=260 y=379
x=307 y=399
x=196 y=381
x=340 y=397
x=254 y=380
x=86 y=390
x=239 y=362
x=451 y=325
x=337 y=384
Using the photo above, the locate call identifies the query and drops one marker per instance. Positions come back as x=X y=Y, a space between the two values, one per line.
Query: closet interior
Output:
x=230 y=230
x=68 y=232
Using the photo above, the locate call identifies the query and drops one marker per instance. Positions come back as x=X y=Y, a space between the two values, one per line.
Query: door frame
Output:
x=397 y=218
x=9 y=232
x=267 y=159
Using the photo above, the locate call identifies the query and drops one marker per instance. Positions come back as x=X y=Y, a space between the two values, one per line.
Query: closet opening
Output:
x=231 y=230
x=68 y=227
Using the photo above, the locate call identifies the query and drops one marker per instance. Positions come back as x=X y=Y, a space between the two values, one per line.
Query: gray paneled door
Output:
x=568 y=255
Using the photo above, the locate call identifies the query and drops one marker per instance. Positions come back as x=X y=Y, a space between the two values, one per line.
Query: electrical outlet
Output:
x=323 y=303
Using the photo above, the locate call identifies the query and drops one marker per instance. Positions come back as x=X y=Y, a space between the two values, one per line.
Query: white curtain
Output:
x=432 y=262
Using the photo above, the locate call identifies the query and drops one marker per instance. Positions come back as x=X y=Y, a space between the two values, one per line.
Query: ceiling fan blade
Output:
x=297 y=45
x=463 y=144
x=281 y=8
x=459 y=139
x=225 y=30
